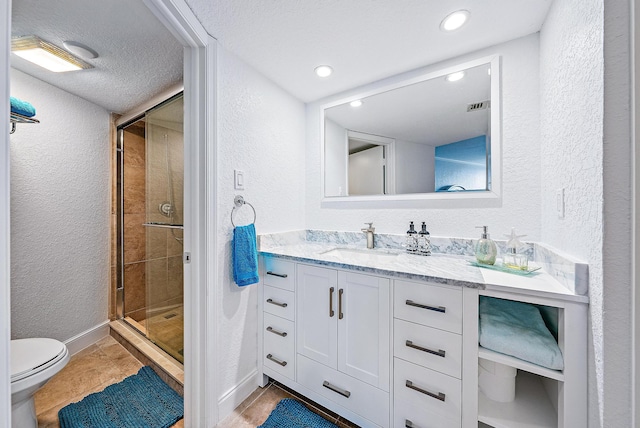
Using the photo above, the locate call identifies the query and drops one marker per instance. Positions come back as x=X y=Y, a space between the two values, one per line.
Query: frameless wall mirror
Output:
x=435 y=136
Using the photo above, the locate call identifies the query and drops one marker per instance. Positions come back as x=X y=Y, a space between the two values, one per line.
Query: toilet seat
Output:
x=32 y=356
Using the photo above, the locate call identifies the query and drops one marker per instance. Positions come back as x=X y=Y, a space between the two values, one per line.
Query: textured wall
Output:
x=260 y=131
x=571 y=86
x=521 y=162
x=59 y=214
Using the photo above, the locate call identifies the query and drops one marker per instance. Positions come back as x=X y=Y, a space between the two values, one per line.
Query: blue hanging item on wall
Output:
x=23 y=108
x=245 y=255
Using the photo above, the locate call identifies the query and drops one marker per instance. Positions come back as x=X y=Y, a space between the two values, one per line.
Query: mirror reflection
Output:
x=426 y=137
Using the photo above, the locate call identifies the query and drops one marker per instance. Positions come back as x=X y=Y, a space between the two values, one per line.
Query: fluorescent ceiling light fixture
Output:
x=454 y=20
x=356 y=103
x=454 y=77
x=46 y=55
x=323 y=70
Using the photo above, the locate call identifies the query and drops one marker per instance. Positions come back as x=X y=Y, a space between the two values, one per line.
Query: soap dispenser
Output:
x=512 y=259
x=424 y=241
x=412 y=242
x=486 y=250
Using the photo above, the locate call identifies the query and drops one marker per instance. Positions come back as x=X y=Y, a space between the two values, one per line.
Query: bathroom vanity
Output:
x=389 y=339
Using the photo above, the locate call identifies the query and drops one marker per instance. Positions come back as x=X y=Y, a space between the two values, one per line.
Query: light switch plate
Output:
x=238 y=179
x=560 y=202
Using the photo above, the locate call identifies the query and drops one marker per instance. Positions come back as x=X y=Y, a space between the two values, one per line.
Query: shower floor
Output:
x=165 y=329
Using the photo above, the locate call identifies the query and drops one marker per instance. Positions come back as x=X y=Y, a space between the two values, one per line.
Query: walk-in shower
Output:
x=150 y=192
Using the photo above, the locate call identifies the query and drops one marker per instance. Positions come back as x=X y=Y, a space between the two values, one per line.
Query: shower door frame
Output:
x=200 y=223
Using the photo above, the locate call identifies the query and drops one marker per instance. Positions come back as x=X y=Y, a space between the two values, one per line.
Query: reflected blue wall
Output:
x=463 y=163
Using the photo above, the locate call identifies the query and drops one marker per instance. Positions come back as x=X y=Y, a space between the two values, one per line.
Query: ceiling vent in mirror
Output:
x=478 y=106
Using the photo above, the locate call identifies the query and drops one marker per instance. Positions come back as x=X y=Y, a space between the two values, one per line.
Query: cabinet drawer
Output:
x=366 y=400
x=278 y=345
x=279 y=273
x=409 y=416
x=429 y=305
x=428 y=347
x=434 y=396
x=279 y=302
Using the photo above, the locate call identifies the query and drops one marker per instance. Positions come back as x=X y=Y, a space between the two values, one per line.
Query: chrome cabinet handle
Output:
x=279 y=333
x=279 y=275
x=340 y=314
x=275 y=360
x=408 y=424
x=282 y=305
x=431 y=308
x=439 y=396
x=331 y=312
x=439 y=352
x=334 y=388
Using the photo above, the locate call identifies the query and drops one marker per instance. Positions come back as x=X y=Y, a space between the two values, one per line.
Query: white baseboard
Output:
x=80 y=341
x=236 y=395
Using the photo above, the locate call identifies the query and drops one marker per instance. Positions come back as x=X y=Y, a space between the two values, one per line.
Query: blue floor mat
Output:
x=139 y=401
x=290 y=413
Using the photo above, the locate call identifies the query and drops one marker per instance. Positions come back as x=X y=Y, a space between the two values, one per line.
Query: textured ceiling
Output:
x=363 y=40
x=138 y=59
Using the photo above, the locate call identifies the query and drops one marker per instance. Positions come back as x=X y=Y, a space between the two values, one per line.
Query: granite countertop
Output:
x=452 y=267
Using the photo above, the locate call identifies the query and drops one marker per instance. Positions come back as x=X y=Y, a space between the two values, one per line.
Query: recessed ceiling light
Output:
x=356 y=103
x=79 y=49
x=454 y=77
x=46 y=55
x=323 y=71
x=454 y=20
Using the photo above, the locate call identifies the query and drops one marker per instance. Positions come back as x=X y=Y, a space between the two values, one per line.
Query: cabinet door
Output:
x=316 y=301
x=363 y=328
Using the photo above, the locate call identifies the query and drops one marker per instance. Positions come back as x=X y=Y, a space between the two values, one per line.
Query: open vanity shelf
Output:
x=544 y=398
x=531 y=408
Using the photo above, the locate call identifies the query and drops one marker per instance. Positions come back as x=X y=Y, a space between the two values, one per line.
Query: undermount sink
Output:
x=362 y=255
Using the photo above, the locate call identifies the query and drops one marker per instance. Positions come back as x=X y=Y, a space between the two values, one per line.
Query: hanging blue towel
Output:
x=22 y=107
x=517 y=329
x=245 y=255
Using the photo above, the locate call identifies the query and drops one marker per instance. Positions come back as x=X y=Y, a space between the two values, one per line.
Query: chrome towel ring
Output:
x=239 y=201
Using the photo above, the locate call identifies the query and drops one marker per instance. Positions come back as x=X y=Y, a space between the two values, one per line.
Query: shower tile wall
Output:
x=135 y=254
x=164 y=247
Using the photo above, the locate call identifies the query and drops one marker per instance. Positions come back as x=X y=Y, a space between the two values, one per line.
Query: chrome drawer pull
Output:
x=340 y=391
x=275 y=360
x=279 y=333
x=282 y=305
x=431 y=308
x=279 y=275
x=408 y=424
x=439 y=396
x=331 y=312
x=439 y=352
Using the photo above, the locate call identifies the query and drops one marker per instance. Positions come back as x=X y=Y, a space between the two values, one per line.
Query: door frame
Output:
x=200 y=184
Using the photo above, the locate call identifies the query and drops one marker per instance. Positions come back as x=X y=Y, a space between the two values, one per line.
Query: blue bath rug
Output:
x=139 y=401
x=290 y=413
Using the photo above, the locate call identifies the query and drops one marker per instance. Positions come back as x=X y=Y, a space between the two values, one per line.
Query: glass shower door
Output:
x=164 y=225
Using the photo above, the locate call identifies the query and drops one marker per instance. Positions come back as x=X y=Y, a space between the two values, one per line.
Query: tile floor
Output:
x=257 y=407
x=107 y=362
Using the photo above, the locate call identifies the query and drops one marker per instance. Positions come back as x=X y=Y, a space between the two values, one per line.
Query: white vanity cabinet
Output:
x=383 y=351
x=343 y=338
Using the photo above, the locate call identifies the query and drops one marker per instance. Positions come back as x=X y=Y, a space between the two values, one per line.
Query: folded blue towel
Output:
x=22 y=107
x=245 y=255
x=517 y=329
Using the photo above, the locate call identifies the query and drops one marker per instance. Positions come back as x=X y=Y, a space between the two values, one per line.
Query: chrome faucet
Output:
x=369 y=231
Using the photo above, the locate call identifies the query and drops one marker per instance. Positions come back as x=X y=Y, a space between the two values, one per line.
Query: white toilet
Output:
x=33 y=363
